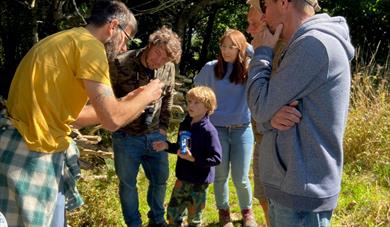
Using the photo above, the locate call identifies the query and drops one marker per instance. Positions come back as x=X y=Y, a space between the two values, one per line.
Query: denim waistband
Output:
x=234 y=126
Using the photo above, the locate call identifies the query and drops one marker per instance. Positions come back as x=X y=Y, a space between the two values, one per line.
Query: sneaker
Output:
x=248 y=219
x=224 y=218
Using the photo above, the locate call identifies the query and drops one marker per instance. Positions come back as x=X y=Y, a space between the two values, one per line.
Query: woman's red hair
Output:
x=240 y=66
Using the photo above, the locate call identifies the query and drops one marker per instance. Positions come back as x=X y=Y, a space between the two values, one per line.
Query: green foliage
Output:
x=230 y=15
x=73 y=19
x=22 y=24
x=368 y=21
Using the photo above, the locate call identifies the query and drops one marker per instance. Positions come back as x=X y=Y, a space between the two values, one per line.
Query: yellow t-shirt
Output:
x=47 y=91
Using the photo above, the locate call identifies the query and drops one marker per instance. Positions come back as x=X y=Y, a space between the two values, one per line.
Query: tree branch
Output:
x=78 y=12
x=161 y=7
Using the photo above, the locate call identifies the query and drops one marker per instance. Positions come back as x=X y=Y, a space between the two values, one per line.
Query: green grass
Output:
x=363 y=202
x=102 y=207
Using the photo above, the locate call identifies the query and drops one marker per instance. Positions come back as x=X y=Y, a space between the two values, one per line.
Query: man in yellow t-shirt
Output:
x=48 y=94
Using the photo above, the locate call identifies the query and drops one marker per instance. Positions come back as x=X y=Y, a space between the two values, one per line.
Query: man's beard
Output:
x=112 y=47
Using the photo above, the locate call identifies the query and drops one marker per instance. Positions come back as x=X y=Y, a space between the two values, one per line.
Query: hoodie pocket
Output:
x=272 y=170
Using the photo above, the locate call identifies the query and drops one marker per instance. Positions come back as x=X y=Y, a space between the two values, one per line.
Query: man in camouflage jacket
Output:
x=132 y=143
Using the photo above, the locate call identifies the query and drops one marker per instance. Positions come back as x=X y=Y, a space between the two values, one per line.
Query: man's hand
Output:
x=286 y=117
x=265 y=38
x=115 y=113
x=153 y=89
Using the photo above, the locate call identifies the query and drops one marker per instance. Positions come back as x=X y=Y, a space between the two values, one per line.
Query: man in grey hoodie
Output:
x=302 y=110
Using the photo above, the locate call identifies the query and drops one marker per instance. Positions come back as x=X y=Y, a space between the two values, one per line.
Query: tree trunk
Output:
x=187 y=53
x=207 y=37
x=191 y=11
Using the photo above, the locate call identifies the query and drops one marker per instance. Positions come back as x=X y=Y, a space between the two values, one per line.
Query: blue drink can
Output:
x=184 y=141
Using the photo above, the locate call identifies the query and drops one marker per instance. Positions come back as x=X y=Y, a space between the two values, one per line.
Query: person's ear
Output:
x=112 y=26
x=284 y=3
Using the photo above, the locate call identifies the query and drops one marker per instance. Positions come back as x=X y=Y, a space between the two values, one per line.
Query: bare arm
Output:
x=87 y=117
x=113 y=113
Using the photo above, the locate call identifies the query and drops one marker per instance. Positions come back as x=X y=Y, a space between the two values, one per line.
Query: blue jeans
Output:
x=237 y=147
x=129 y=153
x=283 y=216
x=59 y=215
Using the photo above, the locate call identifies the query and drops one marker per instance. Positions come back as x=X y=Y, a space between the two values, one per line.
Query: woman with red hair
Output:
x=227 y=76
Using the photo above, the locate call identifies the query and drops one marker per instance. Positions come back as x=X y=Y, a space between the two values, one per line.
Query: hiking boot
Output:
x=248 y=219
x=224 y=218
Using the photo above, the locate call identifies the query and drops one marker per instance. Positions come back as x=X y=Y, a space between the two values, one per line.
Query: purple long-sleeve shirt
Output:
x=205 y=148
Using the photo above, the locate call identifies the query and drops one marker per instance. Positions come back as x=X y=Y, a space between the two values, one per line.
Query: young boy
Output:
x=195 y=169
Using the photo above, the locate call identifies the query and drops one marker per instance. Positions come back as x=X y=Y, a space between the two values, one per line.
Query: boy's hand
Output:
x=159 y=145
x=187 y=156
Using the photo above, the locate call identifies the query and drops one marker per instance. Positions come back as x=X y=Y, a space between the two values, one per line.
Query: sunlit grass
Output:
x=363 y=202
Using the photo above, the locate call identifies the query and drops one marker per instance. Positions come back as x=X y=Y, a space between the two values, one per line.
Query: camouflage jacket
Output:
x=127 y=73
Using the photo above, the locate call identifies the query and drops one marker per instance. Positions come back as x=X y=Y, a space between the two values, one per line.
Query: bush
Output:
x=368 y=129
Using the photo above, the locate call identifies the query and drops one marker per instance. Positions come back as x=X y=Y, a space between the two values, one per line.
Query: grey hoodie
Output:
x=301 y=168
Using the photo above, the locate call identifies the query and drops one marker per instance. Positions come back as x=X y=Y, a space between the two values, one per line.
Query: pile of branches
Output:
x=91 y=149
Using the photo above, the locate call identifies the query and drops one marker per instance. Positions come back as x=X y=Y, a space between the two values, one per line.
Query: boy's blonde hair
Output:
x=204 y=95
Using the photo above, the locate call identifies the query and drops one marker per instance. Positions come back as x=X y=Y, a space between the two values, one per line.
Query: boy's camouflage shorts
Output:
x=188 y=196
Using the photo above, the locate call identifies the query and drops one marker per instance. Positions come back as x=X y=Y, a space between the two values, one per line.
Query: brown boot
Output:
x=248 y=219
x=224 y=218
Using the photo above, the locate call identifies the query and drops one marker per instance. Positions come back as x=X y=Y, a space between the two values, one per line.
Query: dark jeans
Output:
x=130 y=152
